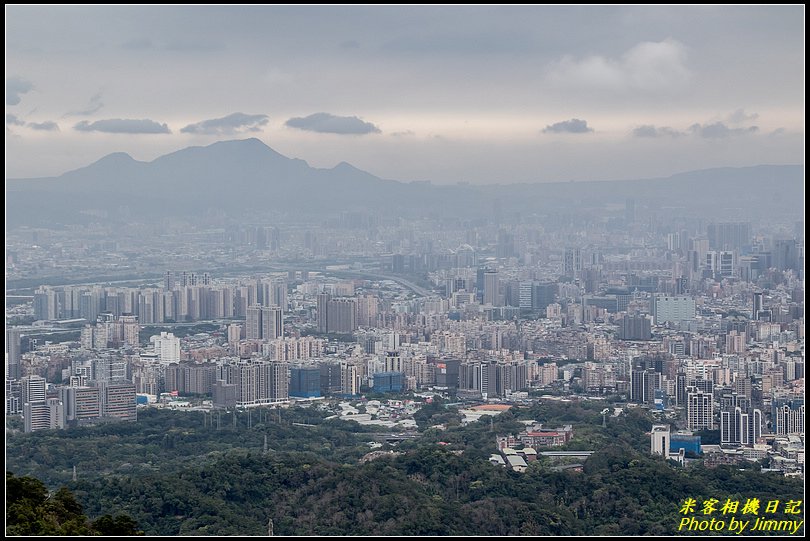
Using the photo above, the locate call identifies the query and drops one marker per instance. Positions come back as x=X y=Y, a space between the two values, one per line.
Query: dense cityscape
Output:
x=704 y=327
x=223 y=339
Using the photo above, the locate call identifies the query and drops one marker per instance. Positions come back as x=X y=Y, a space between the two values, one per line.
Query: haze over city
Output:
x=478 y=94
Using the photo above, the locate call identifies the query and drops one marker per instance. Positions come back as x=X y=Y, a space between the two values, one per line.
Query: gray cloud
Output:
x=15 y=87
x=741 y=117
x=230 y=124
x=94 y=106
x=648 y=130
x=719 y=130
x=326 y=123
x=13 y=120
x=48 y=125
x=123 y=125
x=648 y=66
x=574 y=125
x=350 y=44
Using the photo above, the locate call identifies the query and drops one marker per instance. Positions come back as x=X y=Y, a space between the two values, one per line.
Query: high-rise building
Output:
x=43 y=415
x=635 y=327
x=323 y=311
x=167 y=347
x=668 y=308
x=264 y=322
x=46 y=306
x=118 y=401
x=729 y=236
x=341 y=316
x=349 y=379
x=740 y=426
x=572 y=262
x=305 y=381
x=492 y=288
x=643 y=384
x=660 y=440
x=789 y=419
x=272 y=325
x=259 y=382
x=33 y=389
x=13 y=354
x=757 y=305
x=699 y=410
x=785 y=255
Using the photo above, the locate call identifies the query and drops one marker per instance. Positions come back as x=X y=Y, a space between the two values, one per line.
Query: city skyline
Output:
x=473 y=94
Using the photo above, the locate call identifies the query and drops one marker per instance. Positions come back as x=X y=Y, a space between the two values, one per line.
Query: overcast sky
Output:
x=448 y=94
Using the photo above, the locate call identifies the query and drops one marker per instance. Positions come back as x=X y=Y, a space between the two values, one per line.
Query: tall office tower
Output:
x=278 y=293
x=659 y=440
x=572 y=262
x=323 y=311
x=630 y=211
x=699 y=410
x=479 y=283
x=506 y=245
x=492 y=288
x=13 y=354
x=544 y=294
x=643 y=384
x=272 y=323
x=168 y=281
x=526 y=295
x=253 y=322
x=785 y=255
x=740 y=426
x=729 y=236
x=757 y=305
x=46 y=305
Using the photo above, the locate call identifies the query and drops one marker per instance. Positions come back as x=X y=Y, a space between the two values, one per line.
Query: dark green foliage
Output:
x=219 y=482
x=31 y=511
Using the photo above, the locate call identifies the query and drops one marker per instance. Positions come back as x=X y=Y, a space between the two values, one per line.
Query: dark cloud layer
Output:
x=648 y=130
x=48 y=125
x=575 y=125
x=123 y=125
x=227 y=125
x=327 y=123
x=719 y=130
x=13 y=120
x=15 y=88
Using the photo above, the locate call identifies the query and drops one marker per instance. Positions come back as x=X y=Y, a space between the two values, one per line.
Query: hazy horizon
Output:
x=446 y=94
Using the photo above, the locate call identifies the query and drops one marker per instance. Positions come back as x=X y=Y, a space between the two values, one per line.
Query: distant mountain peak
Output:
x=115 y=157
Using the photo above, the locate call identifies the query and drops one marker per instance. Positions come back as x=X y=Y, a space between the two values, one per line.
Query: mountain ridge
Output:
x=247 y=174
